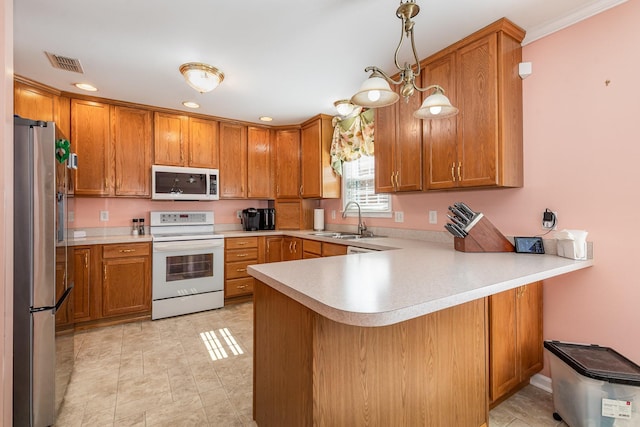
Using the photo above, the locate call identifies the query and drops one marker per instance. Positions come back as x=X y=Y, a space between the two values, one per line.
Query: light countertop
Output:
x=391 y=286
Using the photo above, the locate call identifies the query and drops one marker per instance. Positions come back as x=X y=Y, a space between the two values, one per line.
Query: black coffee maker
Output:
x=250 y=219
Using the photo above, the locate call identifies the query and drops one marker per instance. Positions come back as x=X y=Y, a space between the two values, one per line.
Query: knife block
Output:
x=483 y=237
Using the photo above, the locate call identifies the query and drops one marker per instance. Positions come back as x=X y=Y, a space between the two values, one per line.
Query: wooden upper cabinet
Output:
x=482 y=145
x=33 y=103
x=233 y=161
x=171 y=136
x=203 y=144
x=398 y=145
x=259 y=183
x=287 y=147
x=91 y=139
x=132 y=140
x=440 y=136
x=318 y=180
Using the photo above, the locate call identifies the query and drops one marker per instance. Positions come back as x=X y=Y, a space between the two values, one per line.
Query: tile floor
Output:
x=163 y=373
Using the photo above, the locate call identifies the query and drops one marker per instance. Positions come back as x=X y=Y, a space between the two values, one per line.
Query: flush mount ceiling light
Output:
x=201 y=77
x=376 y=92
x=86 y=86
x=191 y=104
x=344 y=107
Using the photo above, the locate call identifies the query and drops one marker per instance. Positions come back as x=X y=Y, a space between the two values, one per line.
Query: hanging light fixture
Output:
x=376 y=91
x=201 y=77
x=344 y=107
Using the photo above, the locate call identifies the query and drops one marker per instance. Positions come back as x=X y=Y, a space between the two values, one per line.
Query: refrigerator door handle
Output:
x=62 y=299
x=53 y=307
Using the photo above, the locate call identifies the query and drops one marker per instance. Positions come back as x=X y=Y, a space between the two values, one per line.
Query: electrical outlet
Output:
x=399 y=216
x=433 y=217
x=239 y=214
x=71 y=216
x=104 y=215
x=333 y=214
x=549 y=220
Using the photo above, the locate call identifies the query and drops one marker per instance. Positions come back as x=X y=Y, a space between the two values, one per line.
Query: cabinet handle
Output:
x=395 y=181
x=126 y=251
x=453 y=174
x=106 y=183
x=104 y=269
x=301 y=190
x=277 y=189
x=392 y=175
x=241 y=255
x=242 y=286
x=290 y=246
x=459 y=176
x=295 y=246
x=242 y=243
x=86 y=261
x=241 y=270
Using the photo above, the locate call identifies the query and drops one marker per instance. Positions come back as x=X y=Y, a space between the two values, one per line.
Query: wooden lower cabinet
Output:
x=273 y=248
x=126 y=279
x=292 y=248
x=64 y=278
x=112 y=283
x=333 y=249
x=239 y=253
x=86 y=289
x=515 y=339
x=310 y=370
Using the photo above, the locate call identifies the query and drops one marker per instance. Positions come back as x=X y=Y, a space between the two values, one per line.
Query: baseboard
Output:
x=542 y=382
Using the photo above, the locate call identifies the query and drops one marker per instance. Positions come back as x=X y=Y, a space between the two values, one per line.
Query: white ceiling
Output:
x=286 y=59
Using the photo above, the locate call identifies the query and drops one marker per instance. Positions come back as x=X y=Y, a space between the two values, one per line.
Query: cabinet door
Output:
x=288 y=163
x=310 y=155
x=529 y=314
x=203 y=143
x=292 y=248
x=126 y=285
x=32 y=103
x=503 y=344
x=170 y=139
x=385 y=138
x=407 y=149
x=440 y=135
x=132 y=147
x=259 y=184
x=233 y=161
x=274 y=247
x=90 y=137
x=478 y=102
x=64 y=317
x=83 y=288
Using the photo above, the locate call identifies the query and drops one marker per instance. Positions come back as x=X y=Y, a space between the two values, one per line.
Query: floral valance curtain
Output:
x=352 y=138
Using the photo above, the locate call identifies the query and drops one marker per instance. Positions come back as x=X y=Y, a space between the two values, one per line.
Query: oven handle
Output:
x=190 y=245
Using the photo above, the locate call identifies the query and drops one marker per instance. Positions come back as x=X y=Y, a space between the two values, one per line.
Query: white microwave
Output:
x=183 y=183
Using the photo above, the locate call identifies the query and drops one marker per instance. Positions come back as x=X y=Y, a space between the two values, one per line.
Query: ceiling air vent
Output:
x=64 y=63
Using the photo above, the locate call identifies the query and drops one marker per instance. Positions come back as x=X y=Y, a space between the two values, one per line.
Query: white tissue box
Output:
x=572 y=249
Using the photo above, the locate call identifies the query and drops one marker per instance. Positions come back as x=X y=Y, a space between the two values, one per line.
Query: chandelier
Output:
x=376 y=92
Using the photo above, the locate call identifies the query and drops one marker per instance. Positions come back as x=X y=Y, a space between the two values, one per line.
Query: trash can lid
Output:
x=593 y=361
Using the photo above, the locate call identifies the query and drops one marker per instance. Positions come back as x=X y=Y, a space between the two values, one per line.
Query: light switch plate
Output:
x=104 y=215
x=433 y=217
x=399 y=216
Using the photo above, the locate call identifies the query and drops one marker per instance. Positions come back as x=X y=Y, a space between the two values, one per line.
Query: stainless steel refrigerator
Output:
x=42 y=356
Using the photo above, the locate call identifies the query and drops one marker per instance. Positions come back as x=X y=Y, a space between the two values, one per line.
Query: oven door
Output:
x=183 y=268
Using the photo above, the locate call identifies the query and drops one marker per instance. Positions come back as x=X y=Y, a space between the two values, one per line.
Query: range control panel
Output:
x=181 y=218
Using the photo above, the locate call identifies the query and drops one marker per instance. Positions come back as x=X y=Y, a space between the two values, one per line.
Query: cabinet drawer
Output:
x=312 y=246
x=236 y=270
x=307 y=255
x=333 y=249
x=124 y=250
x=235 y=255
x=241 y=242
x=237 y=287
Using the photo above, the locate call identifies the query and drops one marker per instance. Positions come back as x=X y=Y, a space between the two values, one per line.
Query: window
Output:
x=358 y=185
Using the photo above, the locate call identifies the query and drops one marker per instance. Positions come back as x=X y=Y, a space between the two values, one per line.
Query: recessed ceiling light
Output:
x=191 y=104
x=266 y=118
x=86 y=86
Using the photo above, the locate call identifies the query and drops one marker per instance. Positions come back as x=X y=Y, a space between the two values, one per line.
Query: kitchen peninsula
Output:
x=396 y=337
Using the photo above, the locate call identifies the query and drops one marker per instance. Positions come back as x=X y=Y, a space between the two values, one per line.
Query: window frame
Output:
x=366 y=210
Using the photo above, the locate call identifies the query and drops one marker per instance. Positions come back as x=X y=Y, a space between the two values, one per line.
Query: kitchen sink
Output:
x=338 y=235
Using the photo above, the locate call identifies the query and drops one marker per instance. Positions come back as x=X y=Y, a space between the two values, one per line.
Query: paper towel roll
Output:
x=318 y=219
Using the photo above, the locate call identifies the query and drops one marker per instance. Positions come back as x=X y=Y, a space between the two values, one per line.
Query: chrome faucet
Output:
x=362 y=227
